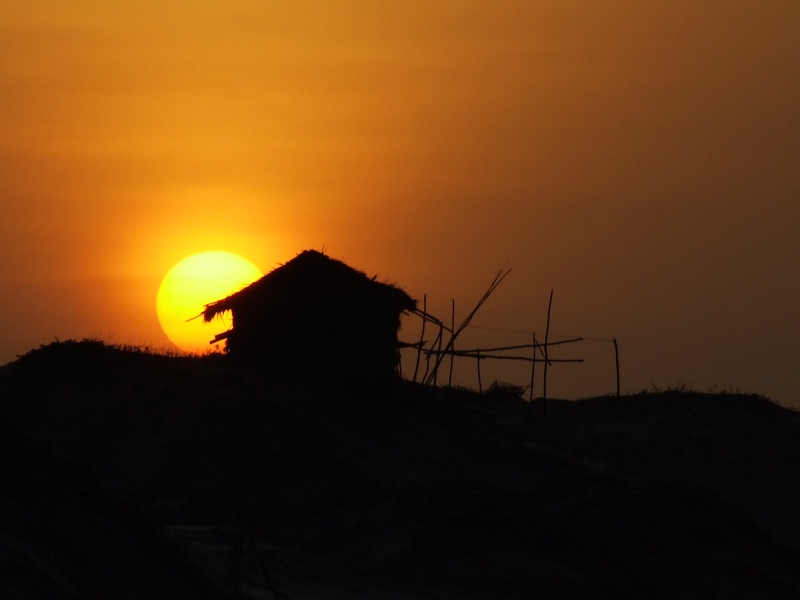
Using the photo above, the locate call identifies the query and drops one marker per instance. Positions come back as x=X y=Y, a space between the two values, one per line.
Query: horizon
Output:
x=639 y=160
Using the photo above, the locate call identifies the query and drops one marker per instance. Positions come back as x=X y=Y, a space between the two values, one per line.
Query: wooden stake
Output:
x=425 y=379
x=421 y=335
x=480 y=385
x=439 y=351
x=452 y=347
x=533 y=372
x=616 y=356
x=546 y=340
x=546 y=362
x=399 y=364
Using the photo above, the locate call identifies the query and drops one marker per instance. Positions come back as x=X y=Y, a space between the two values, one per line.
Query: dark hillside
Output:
x=421 y=495
x=60 y=537
x=743 y=447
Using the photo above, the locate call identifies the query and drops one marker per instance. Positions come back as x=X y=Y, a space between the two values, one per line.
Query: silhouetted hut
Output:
x=315 y=318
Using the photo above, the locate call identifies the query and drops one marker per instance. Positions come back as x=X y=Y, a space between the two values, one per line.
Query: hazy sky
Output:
x=640 y=158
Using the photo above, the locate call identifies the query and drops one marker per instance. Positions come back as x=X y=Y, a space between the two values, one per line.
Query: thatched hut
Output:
x=315 y=318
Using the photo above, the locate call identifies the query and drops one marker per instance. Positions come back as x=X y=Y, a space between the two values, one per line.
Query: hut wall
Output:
x=317 y=341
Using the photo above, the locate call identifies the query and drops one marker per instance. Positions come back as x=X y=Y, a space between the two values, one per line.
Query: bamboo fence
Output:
x=438 y=350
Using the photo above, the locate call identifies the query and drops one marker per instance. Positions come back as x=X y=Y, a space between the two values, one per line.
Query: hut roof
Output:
x=313 y=272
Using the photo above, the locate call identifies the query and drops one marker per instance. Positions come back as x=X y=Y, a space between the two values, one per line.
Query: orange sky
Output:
x=641 y=158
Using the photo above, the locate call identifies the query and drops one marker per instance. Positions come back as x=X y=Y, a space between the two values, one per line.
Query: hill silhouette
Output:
x=197 y=469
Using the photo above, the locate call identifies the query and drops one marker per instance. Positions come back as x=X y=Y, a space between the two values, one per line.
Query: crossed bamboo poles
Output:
x=438 y=353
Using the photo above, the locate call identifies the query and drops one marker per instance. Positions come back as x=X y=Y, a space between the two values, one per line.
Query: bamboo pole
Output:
x=435 y=373
x=480 y=384
x=546 y=362
x=452 y=347
x=471 y=354
x=525 y=346
x=429 y=317
x=399 y=368
x=616 y=357
x=428 y=354
x=421 y=335
x=546 y=344
x=502 y=274
x=533 y=372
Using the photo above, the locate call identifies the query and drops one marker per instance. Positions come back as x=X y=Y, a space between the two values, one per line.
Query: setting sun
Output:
x=191 y=284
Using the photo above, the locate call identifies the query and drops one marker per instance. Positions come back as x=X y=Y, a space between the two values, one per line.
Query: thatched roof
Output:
x=312 y=272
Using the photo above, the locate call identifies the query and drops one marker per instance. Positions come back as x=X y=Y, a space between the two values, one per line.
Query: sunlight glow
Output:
x=191 y=284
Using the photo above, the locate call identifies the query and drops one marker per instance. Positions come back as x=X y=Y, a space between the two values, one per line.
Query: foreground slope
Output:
x=421 y=494
x=61 y=537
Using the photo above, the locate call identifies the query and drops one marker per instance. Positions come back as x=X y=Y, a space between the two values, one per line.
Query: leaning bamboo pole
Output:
x=546 y=344
x=440 y=336
x=428 y=354
x=498 y=278
x=480 y=384
x=546 y=362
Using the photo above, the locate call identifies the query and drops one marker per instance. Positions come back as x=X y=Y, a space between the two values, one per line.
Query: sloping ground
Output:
x=743 y=447
x=61 y=538
x=298 y=494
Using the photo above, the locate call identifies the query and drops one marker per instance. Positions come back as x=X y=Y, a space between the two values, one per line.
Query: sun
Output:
x=190 y=285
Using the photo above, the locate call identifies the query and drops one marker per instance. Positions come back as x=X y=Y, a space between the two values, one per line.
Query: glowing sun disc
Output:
x=191 y=284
